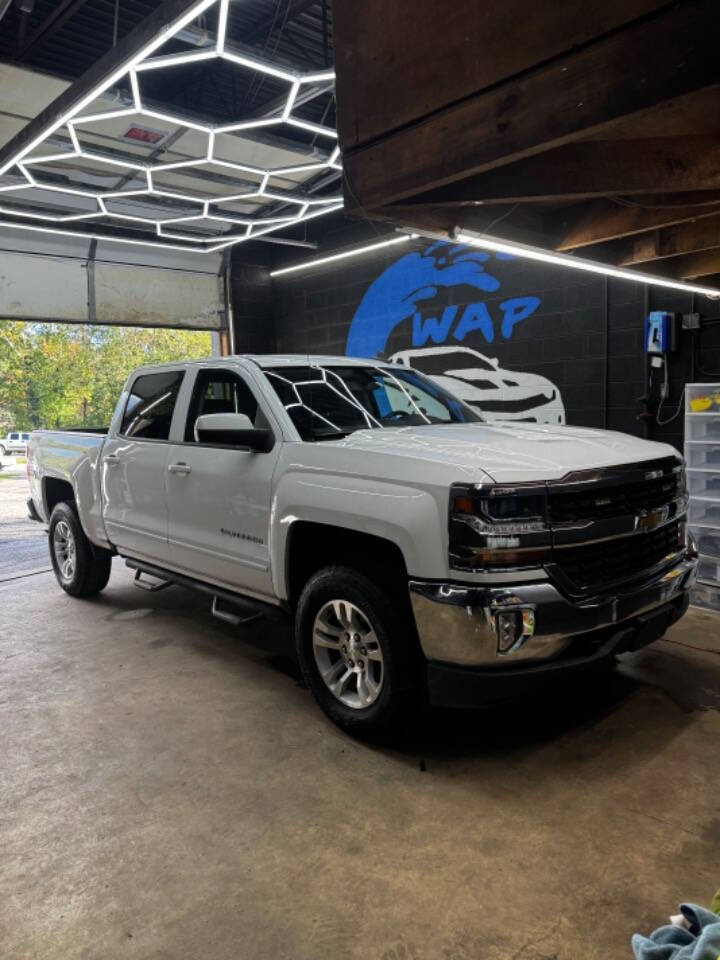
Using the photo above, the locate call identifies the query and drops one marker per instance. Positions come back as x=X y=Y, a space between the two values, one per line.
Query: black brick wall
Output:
x=252 y=300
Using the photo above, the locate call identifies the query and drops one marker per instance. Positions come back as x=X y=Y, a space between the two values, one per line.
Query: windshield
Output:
x=327 y=402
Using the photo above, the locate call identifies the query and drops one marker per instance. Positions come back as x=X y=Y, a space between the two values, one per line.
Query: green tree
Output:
x=55 y=375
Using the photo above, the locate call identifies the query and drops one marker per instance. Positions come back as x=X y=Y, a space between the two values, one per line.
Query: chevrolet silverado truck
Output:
x=422 y=552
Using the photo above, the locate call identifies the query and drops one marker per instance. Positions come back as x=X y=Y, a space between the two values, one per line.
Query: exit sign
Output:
x=144 y=135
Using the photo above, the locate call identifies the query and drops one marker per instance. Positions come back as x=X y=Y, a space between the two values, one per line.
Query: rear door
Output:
x=134 y=465
x=219 y=497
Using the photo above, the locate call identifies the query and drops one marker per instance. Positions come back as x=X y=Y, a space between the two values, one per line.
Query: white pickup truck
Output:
x=422 y=551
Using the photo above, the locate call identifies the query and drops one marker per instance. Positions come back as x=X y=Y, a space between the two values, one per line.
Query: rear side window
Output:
x=150 y=406
x=14 y=436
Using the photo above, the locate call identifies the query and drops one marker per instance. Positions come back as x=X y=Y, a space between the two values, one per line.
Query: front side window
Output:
x=14 y=436
x=326 y=402
x=149 y=409
x=219 y=391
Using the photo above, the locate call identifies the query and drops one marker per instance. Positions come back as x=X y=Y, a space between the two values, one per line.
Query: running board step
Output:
x=231 y=607
x=236 y=619
x=150 y=586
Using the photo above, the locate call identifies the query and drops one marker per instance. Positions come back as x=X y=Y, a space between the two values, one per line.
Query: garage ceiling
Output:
x=186 y=134
x=570 y=127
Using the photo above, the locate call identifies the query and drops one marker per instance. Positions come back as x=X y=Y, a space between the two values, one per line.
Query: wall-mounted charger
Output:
x=660 y=336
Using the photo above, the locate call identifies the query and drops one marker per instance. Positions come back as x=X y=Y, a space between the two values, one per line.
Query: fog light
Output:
x=513 y=627
x=508 y=628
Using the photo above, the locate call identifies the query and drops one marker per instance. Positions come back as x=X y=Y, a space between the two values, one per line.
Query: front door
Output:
x=219 y=497
x=134 y=468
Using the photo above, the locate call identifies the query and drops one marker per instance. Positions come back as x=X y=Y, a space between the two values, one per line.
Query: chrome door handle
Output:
x=181 y=468
x=112 y=458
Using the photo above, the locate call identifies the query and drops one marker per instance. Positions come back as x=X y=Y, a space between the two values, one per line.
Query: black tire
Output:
x=88 y=571
x=2 y=451
x=402 y=692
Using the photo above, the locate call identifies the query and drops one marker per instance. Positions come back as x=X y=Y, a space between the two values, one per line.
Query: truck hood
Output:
x=509 y=452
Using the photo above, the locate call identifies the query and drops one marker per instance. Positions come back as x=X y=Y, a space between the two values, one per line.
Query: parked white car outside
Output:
x=14 y=443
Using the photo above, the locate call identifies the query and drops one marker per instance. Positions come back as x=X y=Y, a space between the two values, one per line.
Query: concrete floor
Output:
x=23 y=544
x=169 y=791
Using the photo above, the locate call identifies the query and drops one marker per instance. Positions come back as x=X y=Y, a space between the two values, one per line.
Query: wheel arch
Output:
x=55 y=490
x=312 y=545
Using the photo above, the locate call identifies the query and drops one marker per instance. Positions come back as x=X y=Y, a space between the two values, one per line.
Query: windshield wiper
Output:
x=332 y=434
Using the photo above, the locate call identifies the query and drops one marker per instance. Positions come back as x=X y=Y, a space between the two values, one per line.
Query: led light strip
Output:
x=211 y=206
x=344 y=255
x=575 y=263
x=195 y=11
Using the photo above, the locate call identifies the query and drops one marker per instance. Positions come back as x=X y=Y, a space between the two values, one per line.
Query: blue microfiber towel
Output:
x=700 y=942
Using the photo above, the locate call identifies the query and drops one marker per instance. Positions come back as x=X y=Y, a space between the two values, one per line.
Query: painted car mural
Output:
x=479 y=380
x=412 y=295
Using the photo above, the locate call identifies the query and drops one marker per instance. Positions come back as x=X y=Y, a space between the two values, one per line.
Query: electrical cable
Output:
x=665 y=388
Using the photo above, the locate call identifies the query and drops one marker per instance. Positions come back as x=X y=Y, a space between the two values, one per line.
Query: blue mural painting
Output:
x=401 y=290
x=408 y=290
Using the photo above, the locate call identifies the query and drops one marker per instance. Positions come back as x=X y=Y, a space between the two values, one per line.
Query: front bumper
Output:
x=468 y=687
x=457 y=623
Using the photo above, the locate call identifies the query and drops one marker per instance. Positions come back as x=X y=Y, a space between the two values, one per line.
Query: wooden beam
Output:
x=603 y=220
x=622 y=74
x=673 y=241
x=523 y=225
x=688 y=267
x=594 y=169
x=398 y=61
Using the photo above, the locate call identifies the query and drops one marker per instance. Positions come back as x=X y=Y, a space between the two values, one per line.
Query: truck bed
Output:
x=64 y=462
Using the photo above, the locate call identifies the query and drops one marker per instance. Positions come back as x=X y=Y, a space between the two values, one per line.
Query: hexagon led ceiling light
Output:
x=142 y=173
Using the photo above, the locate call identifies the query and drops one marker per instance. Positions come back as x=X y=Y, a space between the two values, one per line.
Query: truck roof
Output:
x=293 y=359
x=272 y=360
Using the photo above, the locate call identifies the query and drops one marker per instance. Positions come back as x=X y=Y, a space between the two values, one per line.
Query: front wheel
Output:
x=81 y=568
x=2 y=451
x=358 y=652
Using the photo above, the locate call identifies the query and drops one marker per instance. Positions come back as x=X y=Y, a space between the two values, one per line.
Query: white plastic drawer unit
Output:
x=702 y=426
x=704 y=454
x=702 y=398
x=708 y=542
x=705 y=513
x=703 y=484
x=708 y=571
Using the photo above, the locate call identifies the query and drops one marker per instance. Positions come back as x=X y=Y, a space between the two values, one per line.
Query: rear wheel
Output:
x=358 y=652
x=2 y=451
x=81 y=568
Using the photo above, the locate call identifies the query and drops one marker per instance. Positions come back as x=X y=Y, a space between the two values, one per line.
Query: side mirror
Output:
x=232 y=430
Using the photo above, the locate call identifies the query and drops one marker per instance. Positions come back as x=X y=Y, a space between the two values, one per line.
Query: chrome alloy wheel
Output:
x=348 y=654
x=64 y=549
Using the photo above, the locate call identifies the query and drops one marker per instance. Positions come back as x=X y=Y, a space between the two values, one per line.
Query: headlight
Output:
x=526 y=510
x=498 y=528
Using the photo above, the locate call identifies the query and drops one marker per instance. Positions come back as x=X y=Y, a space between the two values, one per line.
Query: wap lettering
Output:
x=406 y=293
